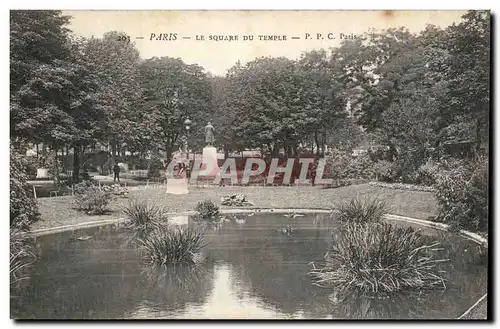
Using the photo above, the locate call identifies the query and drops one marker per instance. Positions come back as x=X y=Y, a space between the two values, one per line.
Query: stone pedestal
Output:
x=177 y=186
x=209 y=162
x=42 y=173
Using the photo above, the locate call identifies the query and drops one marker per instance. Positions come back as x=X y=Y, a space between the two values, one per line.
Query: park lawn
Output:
x=59 y=211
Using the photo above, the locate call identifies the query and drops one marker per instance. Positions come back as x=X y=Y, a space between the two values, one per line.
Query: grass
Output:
x=362 y=210
x=145 y=217
x=380 y=258
x=172 y=245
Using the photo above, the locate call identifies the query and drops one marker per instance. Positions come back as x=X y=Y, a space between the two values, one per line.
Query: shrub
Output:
x=172 y=245
x=21 y=255
x=23 y=206
x=144 y=217
x=335 y=166
x=91 y=198
x=207 y=209
x=462 y=195
x=367 y=210
x=385 y=171
x=360 y=166
x=426 y=174
x=380 y=258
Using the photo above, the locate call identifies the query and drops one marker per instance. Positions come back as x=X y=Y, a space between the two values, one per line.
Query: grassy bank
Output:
x=59 y=211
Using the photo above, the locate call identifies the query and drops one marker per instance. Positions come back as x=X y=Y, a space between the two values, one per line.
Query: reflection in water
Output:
x=250 y=270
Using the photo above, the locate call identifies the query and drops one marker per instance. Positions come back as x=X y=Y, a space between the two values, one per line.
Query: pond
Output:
x=250 y=270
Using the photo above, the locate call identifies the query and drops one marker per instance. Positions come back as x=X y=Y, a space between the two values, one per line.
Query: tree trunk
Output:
x=226 y=152
x=316 y=141
x=275 y=149
x=323 y=142
x=76 y=163
x=285 y=148
x=56 y=167
x=168 y=152
x=113 y=151
x=37 y=155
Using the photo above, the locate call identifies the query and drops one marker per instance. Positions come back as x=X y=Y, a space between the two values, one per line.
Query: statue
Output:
x=209 y=134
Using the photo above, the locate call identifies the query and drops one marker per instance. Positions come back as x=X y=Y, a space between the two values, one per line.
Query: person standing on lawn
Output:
x=116 y=171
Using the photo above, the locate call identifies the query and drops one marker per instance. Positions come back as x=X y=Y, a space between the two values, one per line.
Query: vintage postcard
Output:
x=249 y=164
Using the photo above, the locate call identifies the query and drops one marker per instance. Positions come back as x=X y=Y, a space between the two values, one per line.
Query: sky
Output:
x=218 y=56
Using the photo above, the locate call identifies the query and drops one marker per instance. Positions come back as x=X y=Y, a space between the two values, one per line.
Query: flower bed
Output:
x=401 y=186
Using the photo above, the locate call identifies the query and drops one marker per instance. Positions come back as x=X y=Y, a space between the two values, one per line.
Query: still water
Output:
x=250 y=270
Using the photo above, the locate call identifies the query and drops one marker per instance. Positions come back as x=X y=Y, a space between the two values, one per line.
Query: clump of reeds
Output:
x=144 y=217
x=169 y=245
x=380 y=258
x=21 y=255
x=362 y=210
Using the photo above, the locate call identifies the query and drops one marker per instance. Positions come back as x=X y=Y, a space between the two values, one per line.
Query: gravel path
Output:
x=58 y=211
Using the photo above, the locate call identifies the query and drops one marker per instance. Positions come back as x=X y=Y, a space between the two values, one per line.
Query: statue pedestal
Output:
x=177 y=186
x=209 y=162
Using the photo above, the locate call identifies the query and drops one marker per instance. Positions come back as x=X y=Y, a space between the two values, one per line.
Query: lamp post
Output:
x=187 y=124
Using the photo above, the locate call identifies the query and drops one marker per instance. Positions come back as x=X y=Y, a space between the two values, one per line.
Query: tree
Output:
x=115 y=64
x=467 y=69
x=327 y=97
x=172 y=92
x=39 y=41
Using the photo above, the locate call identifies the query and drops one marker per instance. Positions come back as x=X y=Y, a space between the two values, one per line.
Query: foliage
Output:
x=358 y=210
x=173 y=92
x=116 y=71
x=21 y=255
x=427 y=173
x=360 y=166
x=23 y=206
x=208 y=210
x=462 y=195
x=385 y=171
x=335 y=165
x=144 y=217
x=91 y=199
x=380 y=258
x=167 y=246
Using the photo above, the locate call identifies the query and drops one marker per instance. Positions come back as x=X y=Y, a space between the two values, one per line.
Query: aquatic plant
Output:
x=144 y=217
x=366 y=210
x=168 y=245
x=207 y=210
x=380 y=258
x=21 y=255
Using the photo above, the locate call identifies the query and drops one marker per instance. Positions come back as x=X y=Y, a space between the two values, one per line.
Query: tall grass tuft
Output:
x=21 y=255
x=208 y=210
x=380 y=258
x=172 y=245
x=144 y=217
x=357 y=210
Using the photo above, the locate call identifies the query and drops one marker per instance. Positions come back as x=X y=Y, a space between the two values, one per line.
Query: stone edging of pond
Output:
x=439 y=226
